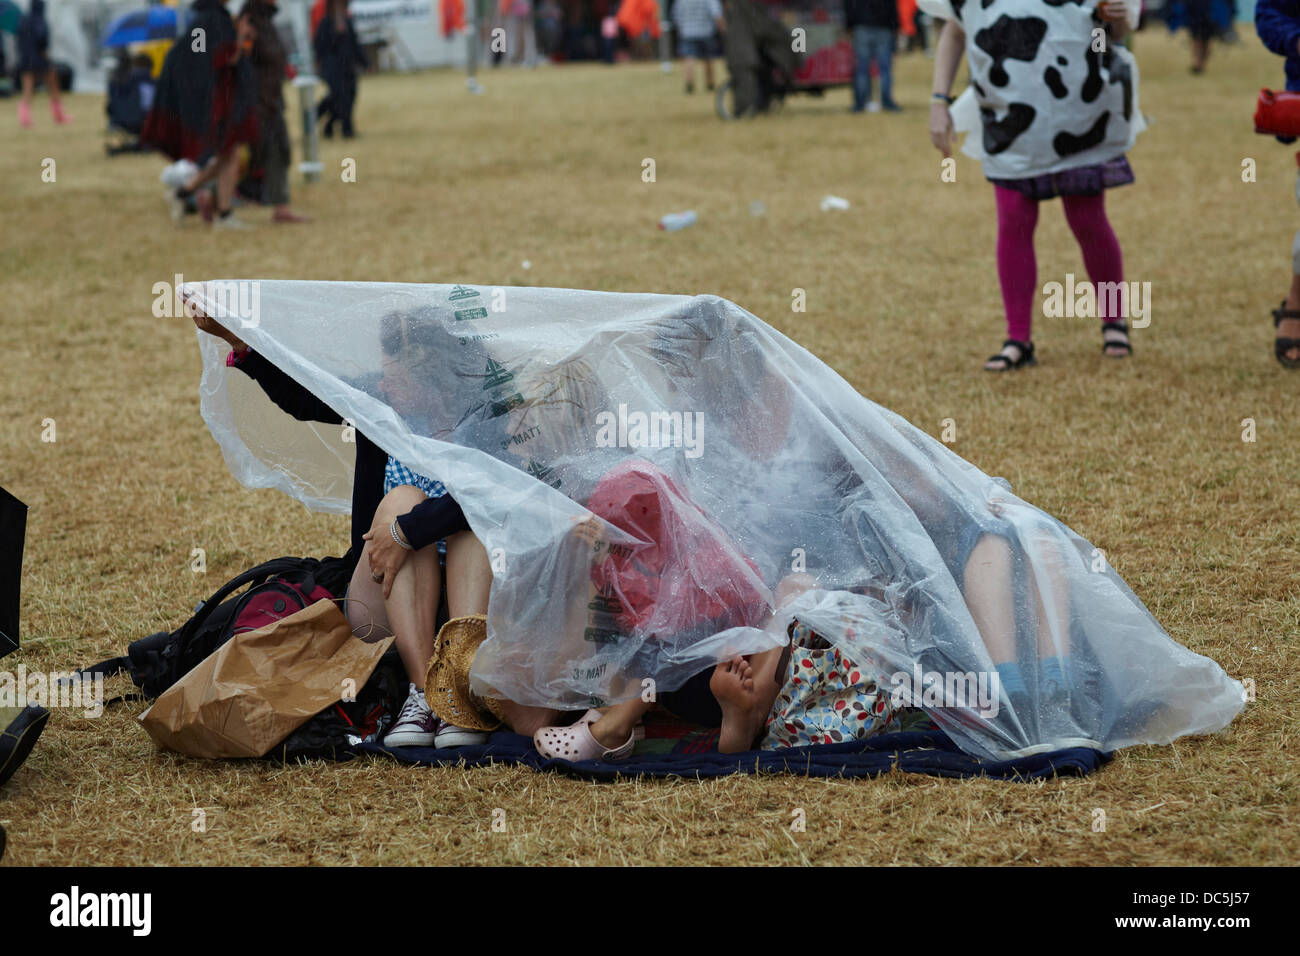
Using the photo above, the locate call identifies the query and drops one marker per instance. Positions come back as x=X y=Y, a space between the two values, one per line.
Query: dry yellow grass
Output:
x=1145 y=458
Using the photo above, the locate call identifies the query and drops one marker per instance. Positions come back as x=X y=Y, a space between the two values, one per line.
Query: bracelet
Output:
x=398 y=538
x=941 y=98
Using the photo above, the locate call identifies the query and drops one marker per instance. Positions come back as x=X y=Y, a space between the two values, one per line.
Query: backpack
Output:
x=276 y=589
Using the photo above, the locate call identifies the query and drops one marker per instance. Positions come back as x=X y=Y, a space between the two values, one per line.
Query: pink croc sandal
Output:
x=576 y=743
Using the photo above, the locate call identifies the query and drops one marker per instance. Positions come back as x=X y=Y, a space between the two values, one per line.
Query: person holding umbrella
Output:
x=33 y=45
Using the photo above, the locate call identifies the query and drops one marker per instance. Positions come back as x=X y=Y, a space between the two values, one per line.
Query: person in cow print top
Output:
x=1052 y=108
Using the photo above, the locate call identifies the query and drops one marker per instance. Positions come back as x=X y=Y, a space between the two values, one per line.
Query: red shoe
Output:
x=59 y=116
x=25 y=115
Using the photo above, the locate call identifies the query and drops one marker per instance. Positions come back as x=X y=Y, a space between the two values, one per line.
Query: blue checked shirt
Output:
x=695 y=18
x=395 y=473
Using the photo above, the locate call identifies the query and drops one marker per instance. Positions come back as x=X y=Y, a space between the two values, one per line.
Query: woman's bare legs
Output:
x=616 y=723
x=1052 y=599
x=411 y=609
x=469 y=575
x=225 y=170
x=28 y=83
x=365 y=605
x=56 y=102
x=987 y=587
x=469 y=581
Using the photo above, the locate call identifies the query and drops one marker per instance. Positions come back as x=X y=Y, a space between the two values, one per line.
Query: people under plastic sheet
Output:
x=525 y=403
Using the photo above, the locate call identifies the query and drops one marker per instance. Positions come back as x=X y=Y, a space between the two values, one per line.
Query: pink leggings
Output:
x=1017 y=269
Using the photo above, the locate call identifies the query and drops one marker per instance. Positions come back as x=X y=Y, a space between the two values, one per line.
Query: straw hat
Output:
x=446 y=685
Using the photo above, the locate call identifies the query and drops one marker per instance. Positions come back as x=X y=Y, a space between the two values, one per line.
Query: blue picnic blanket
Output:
x=928 y=752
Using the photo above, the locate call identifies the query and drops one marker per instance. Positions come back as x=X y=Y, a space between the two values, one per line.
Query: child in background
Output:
x=33 y=45
x=1056 y=117
x=1278 y=25
x=695 y=21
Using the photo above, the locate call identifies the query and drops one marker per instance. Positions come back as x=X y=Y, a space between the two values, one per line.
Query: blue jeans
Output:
x=872 y=43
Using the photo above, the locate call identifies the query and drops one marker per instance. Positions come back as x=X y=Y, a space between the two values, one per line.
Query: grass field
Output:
x=1144 y=457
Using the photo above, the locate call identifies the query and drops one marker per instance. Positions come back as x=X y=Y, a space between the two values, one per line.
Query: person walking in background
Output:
x=1201 y=25
x=271 y=152
x=1278 y=24
x=1033 y=152
x=33 y=46
x=874 y=26
x=550 y=28
x=639 y=21
x=204 y=107
x=521 y=34
x=338 y=58
x=695 y=21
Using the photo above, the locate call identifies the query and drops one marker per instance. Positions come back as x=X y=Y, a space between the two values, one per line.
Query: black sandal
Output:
x=1008 y=365
x=1124 y=343
x=1280 y=345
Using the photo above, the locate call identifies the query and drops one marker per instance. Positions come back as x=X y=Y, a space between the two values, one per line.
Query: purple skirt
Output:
x=1080 y=181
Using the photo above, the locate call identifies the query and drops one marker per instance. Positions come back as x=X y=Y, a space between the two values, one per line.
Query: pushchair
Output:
x=762 y=59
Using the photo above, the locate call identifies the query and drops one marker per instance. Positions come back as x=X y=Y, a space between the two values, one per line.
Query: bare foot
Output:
x=732 y=684
x=610 y=733
x=527 y=720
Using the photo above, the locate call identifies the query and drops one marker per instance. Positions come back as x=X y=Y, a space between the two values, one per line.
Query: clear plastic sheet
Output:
x=664 y=481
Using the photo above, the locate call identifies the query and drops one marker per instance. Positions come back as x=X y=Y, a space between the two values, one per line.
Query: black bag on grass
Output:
x=158 y=661
x=328 y=735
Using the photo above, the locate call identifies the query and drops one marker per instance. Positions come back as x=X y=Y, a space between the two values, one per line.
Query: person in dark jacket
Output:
x=755 y=44
x=1278 y=24
x=392 y=534
x=130 y=94
x=338 y=58
x=874 y=27
x=205 y=105
x=271 y=153
x=33 y=44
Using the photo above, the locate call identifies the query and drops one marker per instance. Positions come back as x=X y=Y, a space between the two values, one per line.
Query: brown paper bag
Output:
x=260 y=686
